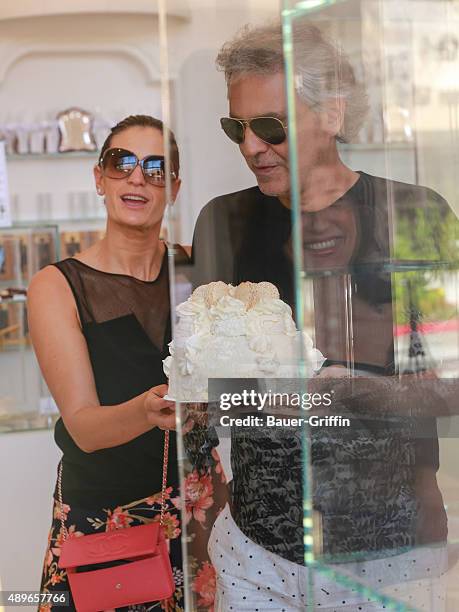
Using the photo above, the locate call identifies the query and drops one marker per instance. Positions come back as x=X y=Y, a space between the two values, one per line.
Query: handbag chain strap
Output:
x=164 y=484
x=65 y=533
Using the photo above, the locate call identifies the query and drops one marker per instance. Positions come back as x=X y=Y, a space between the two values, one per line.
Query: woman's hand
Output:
x=160 y=412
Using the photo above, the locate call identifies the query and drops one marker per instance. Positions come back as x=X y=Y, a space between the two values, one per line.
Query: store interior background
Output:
x=104 y=58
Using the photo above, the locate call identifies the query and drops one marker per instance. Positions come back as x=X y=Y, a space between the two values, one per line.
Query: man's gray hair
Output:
x=322 y=70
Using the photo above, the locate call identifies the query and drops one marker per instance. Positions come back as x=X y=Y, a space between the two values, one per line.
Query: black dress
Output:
x=126 y=324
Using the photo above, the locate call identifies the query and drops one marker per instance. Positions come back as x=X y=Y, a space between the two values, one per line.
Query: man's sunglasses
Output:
x=268 y=129
x=121 y=163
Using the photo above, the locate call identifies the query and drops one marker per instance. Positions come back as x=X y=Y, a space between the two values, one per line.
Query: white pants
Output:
x=252 y=578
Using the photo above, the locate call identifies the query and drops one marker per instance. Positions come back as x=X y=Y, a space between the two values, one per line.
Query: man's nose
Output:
x=252 y=145
x=136 y=177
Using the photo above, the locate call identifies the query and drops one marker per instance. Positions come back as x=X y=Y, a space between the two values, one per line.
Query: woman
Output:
x=100 y=325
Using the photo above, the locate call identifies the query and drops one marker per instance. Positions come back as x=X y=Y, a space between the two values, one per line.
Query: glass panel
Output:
x=351 y=221
x=376 y=270
x=233 y=477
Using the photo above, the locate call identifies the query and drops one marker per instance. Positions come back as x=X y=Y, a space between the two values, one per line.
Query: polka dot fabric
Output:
x=252 y=578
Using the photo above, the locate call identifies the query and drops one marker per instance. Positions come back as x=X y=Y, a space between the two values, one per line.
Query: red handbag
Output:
x=118 y=568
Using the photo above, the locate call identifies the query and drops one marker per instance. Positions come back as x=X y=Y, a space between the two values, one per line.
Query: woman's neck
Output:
x=137 y=252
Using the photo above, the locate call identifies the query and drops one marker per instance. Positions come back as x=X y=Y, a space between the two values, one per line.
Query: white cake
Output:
x=234 y=332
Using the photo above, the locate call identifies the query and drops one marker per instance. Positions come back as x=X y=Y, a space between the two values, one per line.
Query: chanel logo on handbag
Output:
x=115 y=543
x=113 y=570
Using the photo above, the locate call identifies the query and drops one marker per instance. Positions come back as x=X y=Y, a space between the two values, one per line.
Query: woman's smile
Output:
x=134 y=200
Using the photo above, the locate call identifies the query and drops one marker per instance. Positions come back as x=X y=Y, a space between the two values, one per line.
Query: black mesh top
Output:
x=126 y=324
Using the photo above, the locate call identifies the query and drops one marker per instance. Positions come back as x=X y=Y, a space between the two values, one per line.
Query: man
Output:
x=368 y=495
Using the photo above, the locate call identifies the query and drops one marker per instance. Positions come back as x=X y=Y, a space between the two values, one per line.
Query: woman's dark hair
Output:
x=144 y=121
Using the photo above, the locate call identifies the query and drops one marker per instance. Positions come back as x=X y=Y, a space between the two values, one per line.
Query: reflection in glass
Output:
x=366 y=257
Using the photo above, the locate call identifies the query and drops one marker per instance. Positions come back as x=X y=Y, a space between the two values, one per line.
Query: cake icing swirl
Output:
x=235 y=332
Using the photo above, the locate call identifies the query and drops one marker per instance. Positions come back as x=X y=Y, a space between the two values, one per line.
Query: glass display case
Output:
x=24 y=400
x=342 y=494
x=379 y=494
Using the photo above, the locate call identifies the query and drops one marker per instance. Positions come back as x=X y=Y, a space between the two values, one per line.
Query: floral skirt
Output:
x=82 y=521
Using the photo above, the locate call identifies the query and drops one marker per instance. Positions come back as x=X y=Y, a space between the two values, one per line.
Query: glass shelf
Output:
x=377 y=146
x=310 y=7
x=384 y=267
x=30 y=421
x=14 y=299
x=38 y=156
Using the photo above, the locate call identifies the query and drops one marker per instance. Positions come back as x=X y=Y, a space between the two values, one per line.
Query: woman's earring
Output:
x=99 y=191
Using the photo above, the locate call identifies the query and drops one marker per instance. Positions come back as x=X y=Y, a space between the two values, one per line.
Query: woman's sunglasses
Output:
x=268 y=129
x=121 y=163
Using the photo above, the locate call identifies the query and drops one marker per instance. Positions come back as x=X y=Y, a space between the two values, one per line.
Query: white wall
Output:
x=93 y=62
x=109 y=65
x=28 y=464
